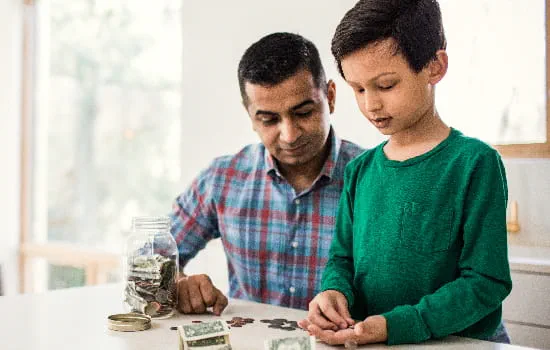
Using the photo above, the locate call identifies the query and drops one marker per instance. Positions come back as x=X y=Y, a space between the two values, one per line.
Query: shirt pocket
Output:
x=426 y=228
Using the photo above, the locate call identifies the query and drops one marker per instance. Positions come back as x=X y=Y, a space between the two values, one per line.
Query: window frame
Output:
x=535 y=150
x=96 y=263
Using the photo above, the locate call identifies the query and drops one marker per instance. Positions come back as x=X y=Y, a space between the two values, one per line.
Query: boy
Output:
x=420 y=247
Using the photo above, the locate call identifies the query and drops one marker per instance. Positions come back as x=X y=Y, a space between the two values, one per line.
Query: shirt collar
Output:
x=329 y=168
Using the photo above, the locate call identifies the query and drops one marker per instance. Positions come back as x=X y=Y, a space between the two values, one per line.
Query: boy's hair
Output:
x=415 y=25
x=277 y=57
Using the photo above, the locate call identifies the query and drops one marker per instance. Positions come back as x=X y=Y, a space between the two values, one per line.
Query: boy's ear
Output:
x=438 y=67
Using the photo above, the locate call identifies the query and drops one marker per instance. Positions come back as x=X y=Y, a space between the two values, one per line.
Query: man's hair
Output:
x=415 y=25
x=276 y=57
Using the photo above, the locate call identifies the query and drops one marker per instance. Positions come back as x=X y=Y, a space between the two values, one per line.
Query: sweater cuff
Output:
x=405 y=326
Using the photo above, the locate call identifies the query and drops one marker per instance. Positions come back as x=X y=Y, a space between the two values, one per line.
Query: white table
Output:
x=77 y=319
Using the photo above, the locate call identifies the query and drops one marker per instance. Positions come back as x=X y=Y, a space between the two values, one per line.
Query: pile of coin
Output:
x=151 y=285
x=238 y=321
x=281 y=323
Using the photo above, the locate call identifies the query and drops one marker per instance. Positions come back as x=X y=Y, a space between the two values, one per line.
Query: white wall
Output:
x=215 y=36
x=10 y=52
x=214 y=122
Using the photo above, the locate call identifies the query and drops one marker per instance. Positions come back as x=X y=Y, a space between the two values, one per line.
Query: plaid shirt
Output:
x=276 y=240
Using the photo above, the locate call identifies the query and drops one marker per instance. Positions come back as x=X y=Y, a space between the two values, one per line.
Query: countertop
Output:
x=527 y=258
x=77 y=319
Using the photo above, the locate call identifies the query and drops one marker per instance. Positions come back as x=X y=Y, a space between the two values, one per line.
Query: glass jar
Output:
x=151 y=268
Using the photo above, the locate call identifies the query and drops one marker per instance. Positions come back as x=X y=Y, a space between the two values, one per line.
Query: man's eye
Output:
x=303 y=113
x=270 y=121
x=359 y=90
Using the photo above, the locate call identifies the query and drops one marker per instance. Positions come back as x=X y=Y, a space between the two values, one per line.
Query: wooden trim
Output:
x=96 y=263
x=547 y=52
x=535 y=150
x=27 y=83
x=71 y=255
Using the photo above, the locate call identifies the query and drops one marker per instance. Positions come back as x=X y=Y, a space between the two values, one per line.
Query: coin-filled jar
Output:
x=151 y=267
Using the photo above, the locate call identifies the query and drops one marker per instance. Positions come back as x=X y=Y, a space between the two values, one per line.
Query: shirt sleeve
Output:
x=484 y=273
x=194 y=216
x=339 y=272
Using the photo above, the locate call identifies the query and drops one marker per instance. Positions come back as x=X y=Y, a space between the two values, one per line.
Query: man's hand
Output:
x=196 y=293
x=328 y=310
x=372 y=330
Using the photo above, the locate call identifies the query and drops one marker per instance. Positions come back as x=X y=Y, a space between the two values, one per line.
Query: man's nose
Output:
x=290 y=131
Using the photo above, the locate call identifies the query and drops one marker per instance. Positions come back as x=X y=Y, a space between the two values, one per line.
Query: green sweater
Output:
x=423 y=241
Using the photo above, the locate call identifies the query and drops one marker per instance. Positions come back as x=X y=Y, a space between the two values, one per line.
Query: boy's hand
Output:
x=328 y=310
x=372 y=330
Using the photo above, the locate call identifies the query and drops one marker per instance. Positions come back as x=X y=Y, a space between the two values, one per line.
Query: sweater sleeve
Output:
x=338 y=273
x=484 y=274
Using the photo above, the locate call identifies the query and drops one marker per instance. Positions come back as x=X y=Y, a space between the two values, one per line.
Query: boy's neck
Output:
x=417 y=140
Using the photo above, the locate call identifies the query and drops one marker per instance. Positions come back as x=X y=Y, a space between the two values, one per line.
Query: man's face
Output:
x=291 y=118
x=388 y=92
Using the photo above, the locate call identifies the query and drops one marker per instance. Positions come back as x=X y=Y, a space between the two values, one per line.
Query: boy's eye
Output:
x=386 y=86
x=269 y=121
x=360 y=90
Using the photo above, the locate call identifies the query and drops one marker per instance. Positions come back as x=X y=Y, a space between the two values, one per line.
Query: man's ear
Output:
x=331 y=95
x=437 y=68
x=245 y=105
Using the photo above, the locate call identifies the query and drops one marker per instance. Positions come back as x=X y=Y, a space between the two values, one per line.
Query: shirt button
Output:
x=297 y=201
x=292 y=290
x=294 y=244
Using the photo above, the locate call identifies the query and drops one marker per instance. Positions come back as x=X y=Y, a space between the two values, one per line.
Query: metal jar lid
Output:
x=129 y=322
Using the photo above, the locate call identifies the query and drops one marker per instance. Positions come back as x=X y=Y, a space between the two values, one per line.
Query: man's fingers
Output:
x=316 y=317
x=195 y=298
x=183 y=297
x=207 y=290
x=220 y=302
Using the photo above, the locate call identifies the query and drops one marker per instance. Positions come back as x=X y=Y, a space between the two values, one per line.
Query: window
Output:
x=103 y=91
x=498 y=69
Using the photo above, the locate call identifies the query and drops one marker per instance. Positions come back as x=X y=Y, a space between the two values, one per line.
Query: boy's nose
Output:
x=372 y=102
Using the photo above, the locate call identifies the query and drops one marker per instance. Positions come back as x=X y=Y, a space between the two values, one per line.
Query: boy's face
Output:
x=392 y=96
x=292 y=118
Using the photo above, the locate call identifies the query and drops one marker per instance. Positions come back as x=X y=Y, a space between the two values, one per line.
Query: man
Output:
x=273 y=204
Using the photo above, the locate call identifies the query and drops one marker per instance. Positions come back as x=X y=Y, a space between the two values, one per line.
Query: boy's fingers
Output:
x=304 y=323
x=333 y=315
x=316 y=317
x=344 y=312
x=330 y=337
x=360 y=328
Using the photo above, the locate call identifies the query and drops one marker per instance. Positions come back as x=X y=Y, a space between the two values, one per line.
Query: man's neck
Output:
x=302 y=176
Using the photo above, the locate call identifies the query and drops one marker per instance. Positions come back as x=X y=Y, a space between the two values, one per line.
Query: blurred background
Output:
x=109 y=108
